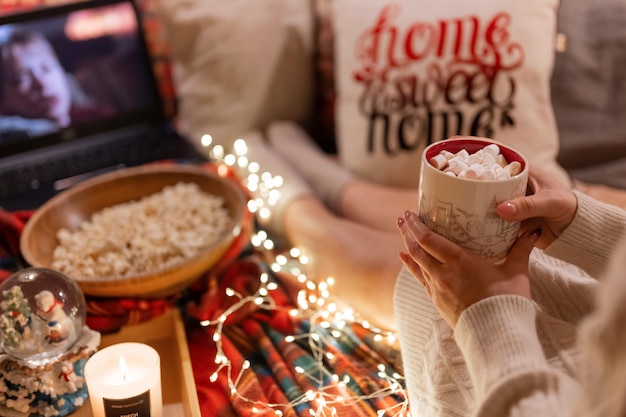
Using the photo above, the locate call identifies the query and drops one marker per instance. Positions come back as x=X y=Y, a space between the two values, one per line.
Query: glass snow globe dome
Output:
x=42 y=313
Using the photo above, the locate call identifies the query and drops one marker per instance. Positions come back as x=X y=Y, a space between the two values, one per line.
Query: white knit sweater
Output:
x=509 y=356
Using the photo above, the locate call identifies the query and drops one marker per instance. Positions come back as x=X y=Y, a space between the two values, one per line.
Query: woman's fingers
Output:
x=410 y=237
x=414 y=268
x=520 y=252
x=547 y=200
x=437 y=246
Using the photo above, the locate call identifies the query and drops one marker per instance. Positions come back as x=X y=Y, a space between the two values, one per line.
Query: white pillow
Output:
x=238 y=65
x=401 y=70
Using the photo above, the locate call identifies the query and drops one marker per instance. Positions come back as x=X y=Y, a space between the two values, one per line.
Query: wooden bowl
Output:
x=74 y=206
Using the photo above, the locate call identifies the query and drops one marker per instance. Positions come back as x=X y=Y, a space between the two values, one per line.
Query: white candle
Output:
x=124 y=380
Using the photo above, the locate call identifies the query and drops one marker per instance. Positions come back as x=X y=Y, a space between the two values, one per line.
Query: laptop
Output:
x=115 y=117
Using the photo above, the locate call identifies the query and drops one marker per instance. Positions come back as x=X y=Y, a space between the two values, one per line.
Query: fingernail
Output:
x=400 y=221
x=403 y=257
x=535 y=235
x=511 y=207
x=407 y=214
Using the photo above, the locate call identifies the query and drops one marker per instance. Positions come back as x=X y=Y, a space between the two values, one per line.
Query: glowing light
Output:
x=206 y=140
x=216 y=152
x=230 y=159
x=222 y=170
x=313 y=302
x=265 y=213
x=242 y=161
x=240 y=147
x=254 y=167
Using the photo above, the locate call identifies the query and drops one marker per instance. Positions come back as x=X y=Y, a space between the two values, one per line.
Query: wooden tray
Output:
x=167 y=335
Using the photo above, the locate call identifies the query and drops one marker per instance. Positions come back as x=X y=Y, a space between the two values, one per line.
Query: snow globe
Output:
x=44 y=344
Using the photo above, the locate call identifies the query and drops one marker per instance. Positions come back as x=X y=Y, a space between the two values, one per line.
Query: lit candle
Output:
x=124 y=380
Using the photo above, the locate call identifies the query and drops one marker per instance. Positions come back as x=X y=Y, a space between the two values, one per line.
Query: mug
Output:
x=463 y=210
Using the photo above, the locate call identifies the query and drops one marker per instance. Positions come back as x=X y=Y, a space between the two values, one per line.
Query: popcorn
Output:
x=141 y=236
x=486 y=164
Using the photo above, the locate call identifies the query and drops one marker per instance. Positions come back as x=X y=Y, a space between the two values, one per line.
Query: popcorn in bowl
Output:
x=140 y=236
x=147 y=231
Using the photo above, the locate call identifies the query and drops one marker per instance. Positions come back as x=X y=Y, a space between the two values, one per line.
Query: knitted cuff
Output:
x=588 y=242
x=498 y=338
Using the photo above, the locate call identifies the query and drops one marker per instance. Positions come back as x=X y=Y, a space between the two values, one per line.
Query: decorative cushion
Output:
x=412 y=72
x=589 y=91
x=238 y=66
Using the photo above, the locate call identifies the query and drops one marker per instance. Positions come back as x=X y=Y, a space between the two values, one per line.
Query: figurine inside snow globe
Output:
x=44 y=344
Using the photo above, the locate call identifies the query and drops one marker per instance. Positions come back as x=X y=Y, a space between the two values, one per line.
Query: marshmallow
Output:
x=487 y=159
x=474 y=172
x=493 y=149
x=448 y=155
x=514 y=168
x=439 y=161
x=463 y=154
x=486 y=164
x=457 y=165
x=502 y=174
x=488 y=175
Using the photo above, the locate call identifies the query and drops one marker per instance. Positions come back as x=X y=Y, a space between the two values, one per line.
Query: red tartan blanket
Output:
x=250 y=353
x=326 y=370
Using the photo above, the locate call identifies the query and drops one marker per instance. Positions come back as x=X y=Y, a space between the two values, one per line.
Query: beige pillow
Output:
x=410 y=72
x=239 y=64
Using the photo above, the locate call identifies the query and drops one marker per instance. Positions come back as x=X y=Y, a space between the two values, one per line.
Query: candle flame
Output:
x=123 y=368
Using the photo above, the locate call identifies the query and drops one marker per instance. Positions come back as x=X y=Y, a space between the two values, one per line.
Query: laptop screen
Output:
x=72 y=71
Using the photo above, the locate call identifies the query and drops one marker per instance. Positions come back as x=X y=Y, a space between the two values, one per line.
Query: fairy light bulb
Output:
x=206 y=140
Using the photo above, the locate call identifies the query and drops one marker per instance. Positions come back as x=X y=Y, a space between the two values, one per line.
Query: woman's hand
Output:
x=551 y=207
x=456 y=278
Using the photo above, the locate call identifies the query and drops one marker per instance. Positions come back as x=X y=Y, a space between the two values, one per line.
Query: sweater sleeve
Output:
x=511 y=376
x=589 y=241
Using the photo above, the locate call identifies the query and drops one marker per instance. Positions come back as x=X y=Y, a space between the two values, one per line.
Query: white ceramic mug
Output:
x=464 y=210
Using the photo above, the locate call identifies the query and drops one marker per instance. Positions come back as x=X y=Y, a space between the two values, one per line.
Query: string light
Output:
x=314 y=305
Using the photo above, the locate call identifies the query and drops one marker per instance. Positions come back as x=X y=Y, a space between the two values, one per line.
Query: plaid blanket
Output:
x=297 y=364
x=250 y=353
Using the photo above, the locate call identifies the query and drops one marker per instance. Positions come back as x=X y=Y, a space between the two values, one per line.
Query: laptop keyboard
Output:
x=102 y=156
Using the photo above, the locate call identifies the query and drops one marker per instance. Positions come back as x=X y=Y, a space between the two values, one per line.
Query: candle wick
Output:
x=123 y=368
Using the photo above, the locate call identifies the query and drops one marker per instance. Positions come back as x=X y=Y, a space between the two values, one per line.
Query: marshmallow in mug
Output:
x=486 y=164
